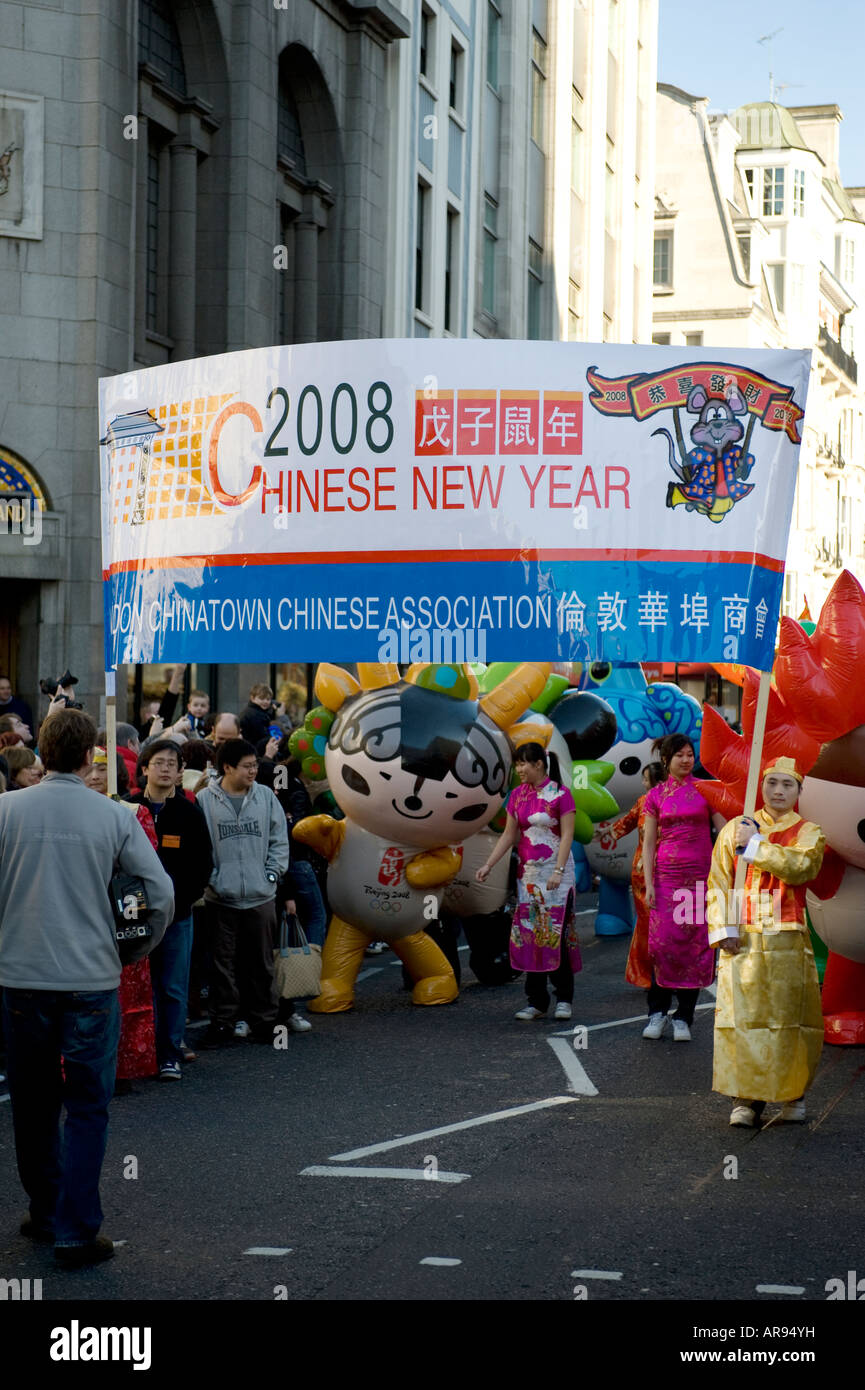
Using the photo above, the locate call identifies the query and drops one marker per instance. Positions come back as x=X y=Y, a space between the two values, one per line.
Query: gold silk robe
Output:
x=768 y=1019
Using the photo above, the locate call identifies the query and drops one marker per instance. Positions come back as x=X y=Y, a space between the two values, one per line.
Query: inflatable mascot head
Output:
x=423 y=760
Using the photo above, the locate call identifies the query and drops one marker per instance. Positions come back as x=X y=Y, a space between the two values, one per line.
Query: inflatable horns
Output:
x=375 y=674
x=508 y=701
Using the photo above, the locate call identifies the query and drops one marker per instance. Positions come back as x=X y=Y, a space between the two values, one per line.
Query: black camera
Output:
x=49 y=688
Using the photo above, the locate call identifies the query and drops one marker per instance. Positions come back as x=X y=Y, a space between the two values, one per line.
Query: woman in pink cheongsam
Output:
x=540 y=826
x=677 y=853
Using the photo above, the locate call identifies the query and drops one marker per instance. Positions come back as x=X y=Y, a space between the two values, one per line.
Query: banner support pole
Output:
x=751 y=786
x=111 y=730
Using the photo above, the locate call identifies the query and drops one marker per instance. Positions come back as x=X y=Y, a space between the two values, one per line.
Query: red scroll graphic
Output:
x=642 y=394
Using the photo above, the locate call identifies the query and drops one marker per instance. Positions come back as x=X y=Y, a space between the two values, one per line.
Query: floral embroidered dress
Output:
x=679 y=950
x=638 y=970
x=539 y=920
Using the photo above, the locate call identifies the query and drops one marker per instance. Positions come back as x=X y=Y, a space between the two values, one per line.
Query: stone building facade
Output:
x=217 y=175
x=213 y=176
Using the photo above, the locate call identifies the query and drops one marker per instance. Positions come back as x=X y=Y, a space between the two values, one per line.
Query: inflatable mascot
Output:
x=643 y=714
x=417 y=765
x=817 y=714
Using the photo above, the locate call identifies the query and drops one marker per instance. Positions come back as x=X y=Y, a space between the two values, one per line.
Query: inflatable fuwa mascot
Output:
x=417 y=765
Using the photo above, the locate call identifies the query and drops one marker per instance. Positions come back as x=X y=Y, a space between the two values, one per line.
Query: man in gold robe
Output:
x=768 y=1020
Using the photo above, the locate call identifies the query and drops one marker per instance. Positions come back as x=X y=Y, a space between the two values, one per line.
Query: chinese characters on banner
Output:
x=545 y=500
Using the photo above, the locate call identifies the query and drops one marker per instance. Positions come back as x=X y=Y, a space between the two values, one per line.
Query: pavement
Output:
x=617 y=1178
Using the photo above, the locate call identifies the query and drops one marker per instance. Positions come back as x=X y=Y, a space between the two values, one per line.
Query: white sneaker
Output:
x=681 y=1031
x=655 y=1026
x=298 y=1024
x=528 y=1015
x=563 y=1010
x=241 y=1029
x=743 y=1116
x=793 y=1113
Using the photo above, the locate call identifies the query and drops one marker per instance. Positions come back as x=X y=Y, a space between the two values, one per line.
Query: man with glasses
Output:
x=187 y=857
x=250 y=849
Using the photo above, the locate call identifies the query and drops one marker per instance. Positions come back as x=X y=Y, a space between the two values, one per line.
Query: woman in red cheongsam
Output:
x=638 y=970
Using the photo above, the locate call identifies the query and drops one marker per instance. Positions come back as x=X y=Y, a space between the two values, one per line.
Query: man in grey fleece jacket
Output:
x=250 y=854
x=59 y=968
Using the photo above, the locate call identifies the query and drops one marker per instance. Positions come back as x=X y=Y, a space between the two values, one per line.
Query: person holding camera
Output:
x=60 y=968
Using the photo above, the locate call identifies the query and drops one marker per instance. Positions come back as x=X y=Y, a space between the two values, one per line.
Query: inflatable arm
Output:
x=322 y=833
x=433 y=868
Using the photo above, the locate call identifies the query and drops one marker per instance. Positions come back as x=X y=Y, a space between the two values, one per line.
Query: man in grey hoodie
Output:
x=250 y=853
x=59 y=967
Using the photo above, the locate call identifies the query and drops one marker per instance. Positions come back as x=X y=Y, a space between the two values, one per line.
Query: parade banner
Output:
x=417 y=500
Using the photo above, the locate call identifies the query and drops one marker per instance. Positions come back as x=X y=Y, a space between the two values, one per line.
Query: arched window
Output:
x=309 y=160
x=159 y=42
x=176 y=130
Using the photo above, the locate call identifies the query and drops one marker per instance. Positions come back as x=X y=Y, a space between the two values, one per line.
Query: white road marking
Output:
x=595 y=1274
x=115 y=1243
x=449 y=1129
x=779 y=1288
x=2 y=1098
x=321 y=1170
x=585 y=912
x=574 y=1070
x=365 y=974
x=437 y=1260
x=616 y=1023
x=712 y=989
x=268 y=1250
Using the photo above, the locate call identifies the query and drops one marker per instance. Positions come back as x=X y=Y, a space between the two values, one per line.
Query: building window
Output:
x=488 y=271
x=573 y=311
x=797 y=288
x=798 y=192
x=662 y=263
x=152 y=234
x=848 y=272
x=421 y=255
x=427 y=38
x=661 y=339
x=776 y=280
x=288 y=131
x=455 y=90
x=536 y=284
x=576 y=141
x=494 y=26
x=610 y=187
x=744 y=240
x=539 y=85
x=693 y=340
x=159 y=42
x=773 y=192
x=451 y=258
x=749 y=181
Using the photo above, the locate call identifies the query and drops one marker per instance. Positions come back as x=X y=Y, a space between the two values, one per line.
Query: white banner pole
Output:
x=111 y=730
x=751 y=786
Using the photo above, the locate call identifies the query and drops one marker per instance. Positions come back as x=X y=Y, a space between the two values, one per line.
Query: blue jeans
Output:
x=60 y=1172
x=310 y=905
x=169 y=974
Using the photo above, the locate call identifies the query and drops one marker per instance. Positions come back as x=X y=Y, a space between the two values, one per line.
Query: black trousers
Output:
x=561 y=979
x=660 y=999
x=241 y=947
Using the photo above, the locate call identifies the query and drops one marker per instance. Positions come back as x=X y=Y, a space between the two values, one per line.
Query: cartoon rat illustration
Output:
x=712 y=475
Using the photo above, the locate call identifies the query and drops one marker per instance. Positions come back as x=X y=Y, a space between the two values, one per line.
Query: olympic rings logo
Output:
x=377 y=904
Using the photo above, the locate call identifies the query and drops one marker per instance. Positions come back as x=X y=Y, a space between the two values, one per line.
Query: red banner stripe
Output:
x=397 y=557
